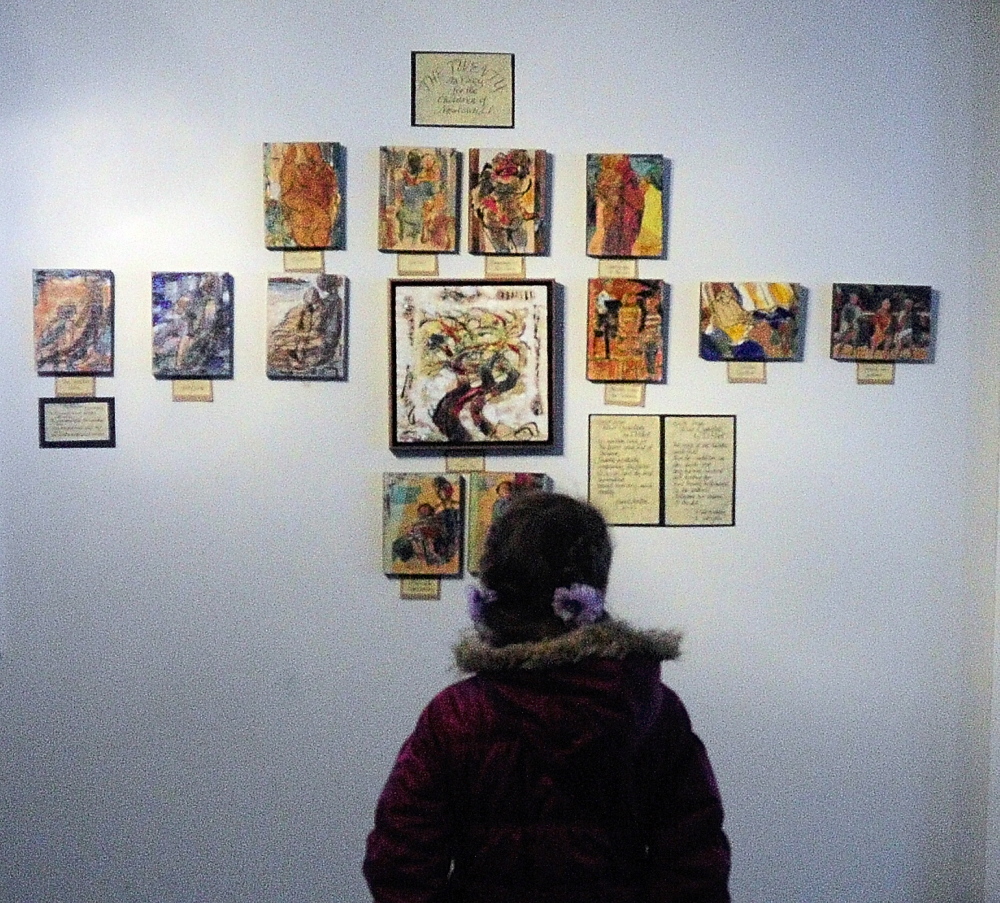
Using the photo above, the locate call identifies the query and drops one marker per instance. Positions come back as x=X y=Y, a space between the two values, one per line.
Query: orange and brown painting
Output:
x=625 y=330
x=303 y=196
x=74 y=322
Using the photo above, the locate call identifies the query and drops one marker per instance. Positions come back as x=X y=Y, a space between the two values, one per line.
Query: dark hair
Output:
x=544 y=540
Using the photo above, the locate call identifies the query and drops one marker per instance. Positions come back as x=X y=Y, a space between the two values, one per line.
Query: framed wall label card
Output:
x=882 y=323
x=307 y=327
x=418 y=200
x=74 y=322
x=192 y=325
x=422 y=524
x=76 y=423
x=303 y=196
x=462 y=89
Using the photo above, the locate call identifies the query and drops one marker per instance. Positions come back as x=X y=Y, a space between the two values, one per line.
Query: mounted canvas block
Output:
x=418 y=199
x=192 y=325
x=885 y=323
x=303 y=196
x=750 y=321
x=422 y=524
x=507 y=190
x=625 y=205
x=307 y=327
x=74 y=322
x=625 y=330
x=490 y=495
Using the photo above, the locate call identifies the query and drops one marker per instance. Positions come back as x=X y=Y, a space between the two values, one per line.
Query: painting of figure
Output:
x=881 y=323
x=74 y=322
x=625 y=205
x=625 y=330
x=418 y=199
x=422 y=524
x=471 y=363
x=192 y=325
x=307 y=327
x=749 y=321
x=303 y=196
x=507 y=191
x=490 y=495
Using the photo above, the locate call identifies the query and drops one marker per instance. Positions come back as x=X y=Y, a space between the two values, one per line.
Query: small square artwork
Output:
x=507 y=190
x=422 y=524
x=625 y=330
x=192 y=325
x=749 y=321
x=887 y=323
x=74 y=322
x=490 y=495
x=303 y=196
x=418 y=200
x=625 y=205
x=307 y=326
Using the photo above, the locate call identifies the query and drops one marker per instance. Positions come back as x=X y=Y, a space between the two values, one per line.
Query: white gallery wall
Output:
x=204 y=674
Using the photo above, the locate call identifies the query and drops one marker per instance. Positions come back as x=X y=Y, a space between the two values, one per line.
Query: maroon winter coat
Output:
x=564 y=771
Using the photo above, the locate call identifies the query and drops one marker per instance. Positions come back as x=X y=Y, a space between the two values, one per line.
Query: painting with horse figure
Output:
x=885 y=323
x=471 y=364
x=418 y=200
x=507 y=190
x=625 y=205
x=422 y=524
x=303 y=196
x=306 y=326
x=750 y=321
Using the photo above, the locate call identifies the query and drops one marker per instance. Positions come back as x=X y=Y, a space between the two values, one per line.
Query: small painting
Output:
x=74 y=322
x=422 y=524
x=625 y=330
x=418 y=200
x=490 y=495
x=750 y=321
x=625 y=205
x=303 y=196
x=886 y=323
x=507 y=190
x=471 y=364
x=307 y=326
x=192 y=325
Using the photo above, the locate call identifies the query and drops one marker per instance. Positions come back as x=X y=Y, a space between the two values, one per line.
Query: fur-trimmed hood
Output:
x=612 y=638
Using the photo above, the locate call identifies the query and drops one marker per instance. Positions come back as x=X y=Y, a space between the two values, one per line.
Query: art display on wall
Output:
x=750 y=321
x=418 y=199
x=507 y=191
x=490 y=495
x=625 y=205
x=192 y=325
x=422 y=524
x=303 y=196
x=307 y=326
x=471 y=364
x=884 y=323
x=74 y=322
x=625 y=322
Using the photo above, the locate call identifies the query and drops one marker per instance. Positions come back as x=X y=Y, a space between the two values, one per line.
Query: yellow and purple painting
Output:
x=507 y=190
x=887 y=323
x=749 y=321
x=74 y=322
x=625 y=330
x=192 y=325
x=490 y=495
x=418 y=200
x=303 y=196
x=422 y=524
x=625 y=205
x=307 y=326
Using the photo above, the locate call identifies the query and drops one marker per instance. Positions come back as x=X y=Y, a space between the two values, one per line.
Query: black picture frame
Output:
x=82 y=422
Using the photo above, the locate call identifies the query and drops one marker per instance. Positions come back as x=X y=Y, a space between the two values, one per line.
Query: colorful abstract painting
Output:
x=418 y=199
x=74 y=322
x=303 y=196
x=749 y=321
x=881 y=323
x=422 y=524
x=490 y=495
x=507 y=190
x=192 y=325
x=625 y=205
x=625 y=330
x=471 y=363
x=307 y=327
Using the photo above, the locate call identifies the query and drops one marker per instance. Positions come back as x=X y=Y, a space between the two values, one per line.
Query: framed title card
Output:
x=76 y=423
x=74 y=322
x=462 y=89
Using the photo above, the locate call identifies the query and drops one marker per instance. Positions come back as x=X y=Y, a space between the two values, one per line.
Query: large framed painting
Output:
x=507 y=192
x=422 y=524
x=471 y=365
x=625 y=319
x=750 y=321
x=74 y=315
x=307 y=326
x=885 y=323
x=490 y=495
x=303 y=196
x=625 y=205
x=192 y=325
x=418 y=200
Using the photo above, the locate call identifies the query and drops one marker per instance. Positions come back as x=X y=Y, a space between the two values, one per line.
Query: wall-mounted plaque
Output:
x=76 y=423
x=462 y=89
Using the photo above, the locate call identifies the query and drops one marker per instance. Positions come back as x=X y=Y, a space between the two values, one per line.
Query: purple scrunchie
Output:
x=578 y=604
